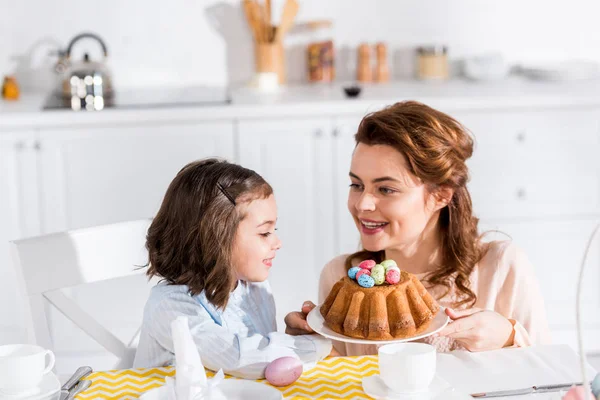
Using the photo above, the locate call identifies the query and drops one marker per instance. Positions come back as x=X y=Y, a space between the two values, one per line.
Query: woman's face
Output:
x=391 y=207
x=255 y=241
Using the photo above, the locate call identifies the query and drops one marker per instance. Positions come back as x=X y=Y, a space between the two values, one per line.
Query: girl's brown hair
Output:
x=436 y=147
x=190 y=241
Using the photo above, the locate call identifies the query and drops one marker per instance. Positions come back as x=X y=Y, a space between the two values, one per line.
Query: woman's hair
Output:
x=190 y=241
x=436 y=147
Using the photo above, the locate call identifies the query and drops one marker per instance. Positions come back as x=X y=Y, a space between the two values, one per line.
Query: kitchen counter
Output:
x=325 y=100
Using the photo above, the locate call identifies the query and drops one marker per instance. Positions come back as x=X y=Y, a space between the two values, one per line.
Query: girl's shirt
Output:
x=503 y=281
x=242 y=339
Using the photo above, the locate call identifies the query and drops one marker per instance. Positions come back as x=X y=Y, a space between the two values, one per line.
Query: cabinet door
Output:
x=347 y=237
x=294 y=156
x=102 y=175
x=19 y=217
x=535 y=163
x=556 y=249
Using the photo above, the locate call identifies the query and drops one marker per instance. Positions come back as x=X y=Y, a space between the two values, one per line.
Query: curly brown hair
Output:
x=436 y=147
x=190 y=241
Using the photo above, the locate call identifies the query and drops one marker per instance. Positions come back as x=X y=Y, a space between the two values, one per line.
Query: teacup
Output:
x=22 y=367
x=407 y=367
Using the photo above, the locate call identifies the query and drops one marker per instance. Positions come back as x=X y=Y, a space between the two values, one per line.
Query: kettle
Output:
x=85 y=84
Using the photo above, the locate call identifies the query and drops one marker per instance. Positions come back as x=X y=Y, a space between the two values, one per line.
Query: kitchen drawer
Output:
x=556 y=251
x=535 y=163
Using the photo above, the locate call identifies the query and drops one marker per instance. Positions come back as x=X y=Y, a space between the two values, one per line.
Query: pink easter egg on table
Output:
x=283 y=371
x=392 y=277
x=367 y=264
x=575 y=393
x=362 y=272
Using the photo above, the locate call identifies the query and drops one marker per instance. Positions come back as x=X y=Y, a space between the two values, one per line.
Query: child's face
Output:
x=255 y=241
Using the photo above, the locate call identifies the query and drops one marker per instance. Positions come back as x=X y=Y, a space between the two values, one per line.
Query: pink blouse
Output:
x=503 y=281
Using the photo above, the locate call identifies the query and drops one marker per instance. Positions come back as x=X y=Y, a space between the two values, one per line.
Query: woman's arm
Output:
x=518 y=317
x=245 y=357
x=520 y=298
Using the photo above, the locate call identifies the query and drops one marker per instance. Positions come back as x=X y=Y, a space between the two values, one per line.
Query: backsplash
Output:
x=206 y=42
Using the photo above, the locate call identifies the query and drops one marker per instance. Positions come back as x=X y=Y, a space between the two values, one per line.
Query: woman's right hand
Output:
x=295 y=322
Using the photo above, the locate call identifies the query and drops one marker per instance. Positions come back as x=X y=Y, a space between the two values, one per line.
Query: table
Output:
x=332 y=378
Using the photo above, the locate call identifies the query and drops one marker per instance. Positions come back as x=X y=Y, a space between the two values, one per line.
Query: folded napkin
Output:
x=190 y=381
x=513 y=368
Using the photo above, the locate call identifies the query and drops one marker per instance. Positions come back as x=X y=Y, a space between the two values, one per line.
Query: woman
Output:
x=409 y=200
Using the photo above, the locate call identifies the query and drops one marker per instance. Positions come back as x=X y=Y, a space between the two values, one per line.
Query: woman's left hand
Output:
x=478 y=330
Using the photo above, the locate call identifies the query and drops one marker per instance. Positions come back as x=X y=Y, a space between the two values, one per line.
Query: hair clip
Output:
x=222 y=189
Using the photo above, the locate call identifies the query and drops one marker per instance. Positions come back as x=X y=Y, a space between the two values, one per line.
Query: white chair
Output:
x=49 y=263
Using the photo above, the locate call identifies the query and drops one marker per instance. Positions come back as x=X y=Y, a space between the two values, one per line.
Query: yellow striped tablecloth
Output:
x=333 y=378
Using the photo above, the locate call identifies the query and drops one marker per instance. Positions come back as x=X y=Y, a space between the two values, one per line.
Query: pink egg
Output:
x=367 y=264
x=575 y=393
x=392 y=277
x=283 y=371
x=362 y=272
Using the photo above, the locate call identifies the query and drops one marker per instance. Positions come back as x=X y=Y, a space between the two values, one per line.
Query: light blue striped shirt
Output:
x=242 y=339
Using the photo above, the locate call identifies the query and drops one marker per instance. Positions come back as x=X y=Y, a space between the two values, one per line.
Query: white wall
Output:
x=207 y=42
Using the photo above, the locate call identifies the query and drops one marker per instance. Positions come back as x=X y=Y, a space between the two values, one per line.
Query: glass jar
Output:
x=10 y=88
x=432 y=63
x=320 y=53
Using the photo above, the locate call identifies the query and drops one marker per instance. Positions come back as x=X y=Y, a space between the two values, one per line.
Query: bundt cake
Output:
x=379 y=311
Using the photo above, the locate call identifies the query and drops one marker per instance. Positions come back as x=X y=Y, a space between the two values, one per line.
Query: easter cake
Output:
x=378 y=302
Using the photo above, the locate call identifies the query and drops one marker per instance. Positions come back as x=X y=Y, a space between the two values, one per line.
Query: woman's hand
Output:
x=479 y=330
x=295 y=322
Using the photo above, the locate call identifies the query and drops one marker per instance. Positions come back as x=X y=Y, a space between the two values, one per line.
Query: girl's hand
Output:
x=478 y=330
x=295 y=322
x=334 y=353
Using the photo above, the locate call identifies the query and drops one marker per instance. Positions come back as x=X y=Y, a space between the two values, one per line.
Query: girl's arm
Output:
x=245 y=357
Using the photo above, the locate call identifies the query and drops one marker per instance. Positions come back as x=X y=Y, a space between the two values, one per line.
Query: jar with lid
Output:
x=432 y=62
x=320 y=52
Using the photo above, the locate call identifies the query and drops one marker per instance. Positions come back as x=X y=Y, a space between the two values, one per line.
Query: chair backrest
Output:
x=46 y=264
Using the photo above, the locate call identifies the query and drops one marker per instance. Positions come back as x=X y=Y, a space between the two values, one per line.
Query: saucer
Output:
x=48 y=387
x=231 y=389
x=377 y=389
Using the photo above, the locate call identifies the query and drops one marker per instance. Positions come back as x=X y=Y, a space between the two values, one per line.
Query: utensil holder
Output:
x=269 y=57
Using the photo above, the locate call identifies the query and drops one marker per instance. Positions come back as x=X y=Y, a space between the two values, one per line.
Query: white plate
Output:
x=48 y=388
x=232 y=389
x=439 y=389
x=317 y=323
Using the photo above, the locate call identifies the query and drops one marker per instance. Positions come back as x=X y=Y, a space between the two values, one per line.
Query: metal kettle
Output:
x=86 y=84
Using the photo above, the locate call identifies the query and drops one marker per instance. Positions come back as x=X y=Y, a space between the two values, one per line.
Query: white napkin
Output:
x=514 y=368
x=190 y=382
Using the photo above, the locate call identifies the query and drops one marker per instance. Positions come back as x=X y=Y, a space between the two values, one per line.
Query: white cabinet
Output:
x=19 y=217
x=93 y=176
x=294 y=156
x=347 y=238
x=535 y=163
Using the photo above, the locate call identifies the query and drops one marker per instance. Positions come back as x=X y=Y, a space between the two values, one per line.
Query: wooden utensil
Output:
x=250 y=18
x=290 y=9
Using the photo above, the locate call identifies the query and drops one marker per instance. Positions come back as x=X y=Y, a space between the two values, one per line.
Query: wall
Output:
x=207 y=42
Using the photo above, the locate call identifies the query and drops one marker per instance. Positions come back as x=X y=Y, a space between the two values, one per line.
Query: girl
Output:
x=212 y=243
x=409 y=200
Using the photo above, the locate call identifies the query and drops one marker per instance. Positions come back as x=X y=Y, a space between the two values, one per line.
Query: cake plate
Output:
x=317 y=323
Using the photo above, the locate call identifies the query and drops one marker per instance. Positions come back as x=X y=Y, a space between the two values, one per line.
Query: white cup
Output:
x=407 y=367
x=22 y=367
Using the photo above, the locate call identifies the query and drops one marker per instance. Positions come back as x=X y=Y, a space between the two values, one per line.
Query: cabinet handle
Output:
x=336 y=132
x=318 y=133
x=36 y=145
x=521 y=193
x=521 y=137
x=19 y=146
